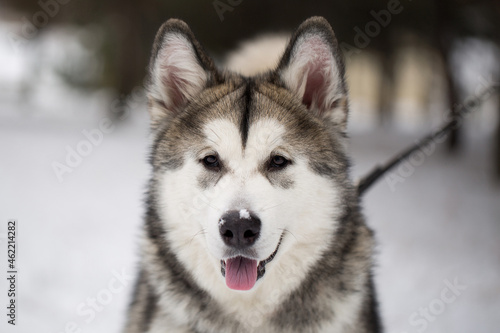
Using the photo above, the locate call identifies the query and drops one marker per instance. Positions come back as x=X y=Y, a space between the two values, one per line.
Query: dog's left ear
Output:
x=312 y=67
x=179 y=70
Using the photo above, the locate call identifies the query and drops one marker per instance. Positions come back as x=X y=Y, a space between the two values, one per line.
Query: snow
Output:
x=244 y=214
x=76 y=235
x=78 y=239
x=440 y=224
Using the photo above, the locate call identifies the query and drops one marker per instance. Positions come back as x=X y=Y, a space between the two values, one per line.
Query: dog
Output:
x=253 y=223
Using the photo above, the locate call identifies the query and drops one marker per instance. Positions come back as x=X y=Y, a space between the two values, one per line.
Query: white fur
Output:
x=307 y=211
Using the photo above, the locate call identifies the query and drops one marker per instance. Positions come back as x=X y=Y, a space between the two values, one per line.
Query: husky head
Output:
x=250 y=173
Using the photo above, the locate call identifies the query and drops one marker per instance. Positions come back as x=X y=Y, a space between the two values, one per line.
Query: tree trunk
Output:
x=497 y=144
x=445 y=36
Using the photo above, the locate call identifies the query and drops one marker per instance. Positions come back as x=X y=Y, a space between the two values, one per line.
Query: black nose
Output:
x=239 y=229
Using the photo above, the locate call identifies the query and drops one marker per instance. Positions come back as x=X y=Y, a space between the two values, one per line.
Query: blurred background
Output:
x=74 y=142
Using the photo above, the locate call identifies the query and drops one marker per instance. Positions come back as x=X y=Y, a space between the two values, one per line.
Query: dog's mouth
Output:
x=242 y=273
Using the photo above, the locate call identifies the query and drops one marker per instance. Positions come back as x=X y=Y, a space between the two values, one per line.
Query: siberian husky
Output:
x=253 y=223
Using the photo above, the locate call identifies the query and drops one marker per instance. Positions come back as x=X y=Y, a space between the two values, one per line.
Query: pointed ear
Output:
x=312 y=67
x=179 y=70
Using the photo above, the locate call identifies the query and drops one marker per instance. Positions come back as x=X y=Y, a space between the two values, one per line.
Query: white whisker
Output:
x=288 y=231
x=273 y=206
x=200 y=232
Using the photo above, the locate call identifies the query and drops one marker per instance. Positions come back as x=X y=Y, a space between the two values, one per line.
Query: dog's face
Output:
x=251 y=171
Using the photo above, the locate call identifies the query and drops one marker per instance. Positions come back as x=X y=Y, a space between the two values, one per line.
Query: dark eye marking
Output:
x=211 y=162
x=277 y=162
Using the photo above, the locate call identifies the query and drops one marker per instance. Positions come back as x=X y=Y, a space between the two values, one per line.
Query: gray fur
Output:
x=243 y=101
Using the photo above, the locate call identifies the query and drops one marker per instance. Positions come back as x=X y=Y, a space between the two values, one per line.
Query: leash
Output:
x=461 y=110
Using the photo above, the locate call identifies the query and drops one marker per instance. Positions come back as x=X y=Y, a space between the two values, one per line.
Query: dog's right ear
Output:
x=179 y=70
x=312 y=68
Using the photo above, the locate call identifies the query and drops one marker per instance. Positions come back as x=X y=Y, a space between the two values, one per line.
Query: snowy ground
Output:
x=440 y=226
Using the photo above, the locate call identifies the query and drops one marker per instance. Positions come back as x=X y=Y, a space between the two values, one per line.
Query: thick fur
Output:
x=320 y=279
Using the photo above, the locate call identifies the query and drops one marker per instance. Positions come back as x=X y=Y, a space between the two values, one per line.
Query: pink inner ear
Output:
x=318 y=71
x=174 y=85
x=179 y=75
x=171 y=75
x=315 y=88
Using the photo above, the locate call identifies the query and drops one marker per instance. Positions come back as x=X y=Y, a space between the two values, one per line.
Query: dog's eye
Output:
x=211 y=162
x=278 y=162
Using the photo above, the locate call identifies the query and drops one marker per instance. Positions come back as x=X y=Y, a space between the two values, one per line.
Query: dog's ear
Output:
x=179 y=70
x=312 y=67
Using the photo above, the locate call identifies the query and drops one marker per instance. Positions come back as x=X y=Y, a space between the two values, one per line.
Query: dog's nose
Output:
x=239 y=228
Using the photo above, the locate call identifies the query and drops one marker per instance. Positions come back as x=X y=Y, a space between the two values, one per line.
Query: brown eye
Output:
x=211 y=162
x=278 y=162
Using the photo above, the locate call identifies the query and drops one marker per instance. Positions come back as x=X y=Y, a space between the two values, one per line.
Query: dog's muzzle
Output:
x=239 y=231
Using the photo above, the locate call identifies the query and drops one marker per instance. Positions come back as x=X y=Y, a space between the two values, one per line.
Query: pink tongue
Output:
x=241 y=273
